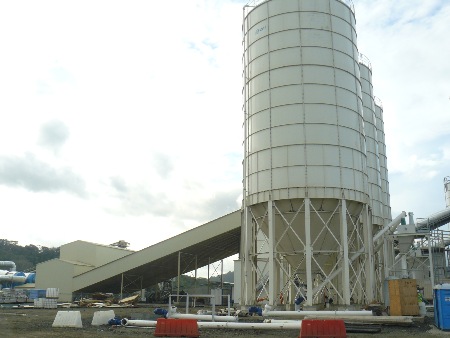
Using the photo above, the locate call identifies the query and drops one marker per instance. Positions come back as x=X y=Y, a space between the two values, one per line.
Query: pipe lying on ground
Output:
x=202 y=317
x=301 y=314
x=222 y=325
x=249 y=326
x=138 y=322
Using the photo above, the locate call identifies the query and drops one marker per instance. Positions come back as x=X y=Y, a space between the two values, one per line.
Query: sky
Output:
x=122 y=120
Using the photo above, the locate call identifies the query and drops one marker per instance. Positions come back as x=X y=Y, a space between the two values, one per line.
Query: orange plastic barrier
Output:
x=176 y=328
x=323 y=328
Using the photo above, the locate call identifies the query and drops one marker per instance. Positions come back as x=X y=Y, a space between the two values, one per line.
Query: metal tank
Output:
x=383 y=160
x=370 y=129
x=305 y=181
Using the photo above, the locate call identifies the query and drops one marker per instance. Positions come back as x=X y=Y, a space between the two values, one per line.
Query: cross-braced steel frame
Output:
x=309 y=252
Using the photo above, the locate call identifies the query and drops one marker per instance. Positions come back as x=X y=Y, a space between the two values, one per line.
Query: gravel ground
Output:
x=17 y=322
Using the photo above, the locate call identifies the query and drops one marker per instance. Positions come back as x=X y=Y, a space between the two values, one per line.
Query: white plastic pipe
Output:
x=223 y=325
x=300 y=314
x=281 y=321
x=140 y=323
x=390 y=227
x=12 y=278
x=8 y=264
x=202 y=317
x=248 y=326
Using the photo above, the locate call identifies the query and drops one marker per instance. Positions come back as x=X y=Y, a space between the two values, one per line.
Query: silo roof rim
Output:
x=254 y=3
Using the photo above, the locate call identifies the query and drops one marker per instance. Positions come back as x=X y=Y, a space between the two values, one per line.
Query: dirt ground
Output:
x=20 y=322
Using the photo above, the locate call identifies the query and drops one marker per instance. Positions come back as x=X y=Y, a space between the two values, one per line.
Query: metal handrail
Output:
x=365 y=61
x=378 y=102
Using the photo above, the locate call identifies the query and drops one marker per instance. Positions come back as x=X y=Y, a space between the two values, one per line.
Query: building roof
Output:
x=207 y=243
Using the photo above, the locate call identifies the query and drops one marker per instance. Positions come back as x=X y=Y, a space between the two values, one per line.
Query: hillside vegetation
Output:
x=25 y=257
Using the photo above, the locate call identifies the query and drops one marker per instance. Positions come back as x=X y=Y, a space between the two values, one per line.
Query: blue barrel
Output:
x=442 y=306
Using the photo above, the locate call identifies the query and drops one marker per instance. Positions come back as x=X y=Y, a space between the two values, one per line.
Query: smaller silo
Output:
x=447 y=191
x=371 y=132
x=383 y=160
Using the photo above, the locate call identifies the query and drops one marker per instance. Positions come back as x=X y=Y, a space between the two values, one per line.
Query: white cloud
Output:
x=140 y=100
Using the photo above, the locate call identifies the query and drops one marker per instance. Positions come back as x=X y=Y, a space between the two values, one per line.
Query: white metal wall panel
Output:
x=315 y=6
x=285 y=76
x=284 y=39
x=283 y=22
x=319 y=75
x=316 y=38
x=286 y=95
x=315 y=56
x=258 y=84
x=288 y=114
x=277 y=7
x=342 y=11
x=346 y=80
x=315 y=20
x=341 y=27
x=259 y=121
x=284 y=57
x=259 y=65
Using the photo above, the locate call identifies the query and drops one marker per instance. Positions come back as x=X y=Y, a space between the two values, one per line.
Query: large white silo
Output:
x=383 y=161
x=370 y=129
x=305 y=179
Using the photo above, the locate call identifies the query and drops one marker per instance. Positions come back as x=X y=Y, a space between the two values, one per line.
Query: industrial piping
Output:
x=10 y=264
x=202 y=317
x=391 y=226
x=301 y=314
x=223 y=325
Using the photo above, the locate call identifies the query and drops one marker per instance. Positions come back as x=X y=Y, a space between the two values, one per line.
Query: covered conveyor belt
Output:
x=210 y=242
x=434 y=221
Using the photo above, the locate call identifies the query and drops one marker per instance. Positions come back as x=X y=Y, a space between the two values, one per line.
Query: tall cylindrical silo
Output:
x=305 y=181
x=383 y=160
x=370 y=129
x=447 y=191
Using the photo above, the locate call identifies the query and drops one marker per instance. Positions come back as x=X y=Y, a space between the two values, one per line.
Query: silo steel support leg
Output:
x=273 y=271
x=369 y=266
x=344 y=251
x=389 y=254
x=308 y=254
x=430 y=257
x=247 y=281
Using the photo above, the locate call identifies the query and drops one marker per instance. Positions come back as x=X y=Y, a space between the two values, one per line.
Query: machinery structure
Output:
x=316 y=221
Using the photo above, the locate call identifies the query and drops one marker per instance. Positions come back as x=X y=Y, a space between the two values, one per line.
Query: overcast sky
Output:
x=122 y=119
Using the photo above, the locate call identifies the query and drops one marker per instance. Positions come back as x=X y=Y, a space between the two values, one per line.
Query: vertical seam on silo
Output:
x=336 y=97
x=270 y=103
x=246 y=110
x=302 y=106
